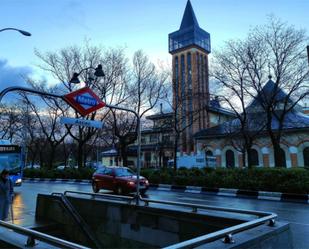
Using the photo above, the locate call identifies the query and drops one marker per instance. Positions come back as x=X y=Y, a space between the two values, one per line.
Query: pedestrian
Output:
x=6 y=194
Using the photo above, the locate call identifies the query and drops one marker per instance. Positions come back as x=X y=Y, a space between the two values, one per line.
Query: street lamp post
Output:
x=99 y=73
x=51 y=95
x=23 y=32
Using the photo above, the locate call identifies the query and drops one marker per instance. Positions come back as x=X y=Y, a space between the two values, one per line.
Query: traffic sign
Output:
x=81 y=122
x=84 y=101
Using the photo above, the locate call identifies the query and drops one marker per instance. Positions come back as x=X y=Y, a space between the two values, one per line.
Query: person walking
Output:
x=6 y=194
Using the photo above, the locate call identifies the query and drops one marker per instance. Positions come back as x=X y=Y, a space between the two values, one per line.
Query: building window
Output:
x=306 y=157
x=189 y=70
x=166 y=138
x=254 y=160
x=143 y=140
x=209 y=153
x=176 y=79
x=183 y=92
x=282 y=161
x=202 y=87
x=229 y=159
x=147 y=157
x=153 y=138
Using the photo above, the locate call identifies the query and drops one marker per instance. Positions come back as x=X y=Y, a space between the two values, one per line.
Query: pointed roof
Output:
x=189 y=18
x=270 y=93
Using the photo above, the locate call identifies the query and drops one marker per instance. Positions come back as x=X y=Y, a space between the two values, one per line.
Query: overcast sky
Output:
x=135 y=24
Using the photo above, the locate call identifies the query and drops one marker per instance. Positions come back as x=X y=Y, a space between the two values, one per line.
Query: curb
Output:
x=26 y=179
x=261 y=195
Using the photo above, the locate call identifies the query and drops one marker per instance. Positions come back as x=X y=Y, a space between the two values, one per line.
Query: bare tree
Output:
x=63 y=63
x=10 y=123
x=273 y=49
x=144 y=86
x=230 y=73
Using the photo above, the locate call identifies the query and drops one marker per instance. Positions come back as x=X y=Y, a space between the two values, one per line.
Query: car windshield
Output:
x=124 y=172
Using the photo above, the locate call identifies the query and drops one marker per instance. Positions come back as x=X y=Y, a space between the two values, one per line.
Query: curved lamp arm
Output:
x=23 y=32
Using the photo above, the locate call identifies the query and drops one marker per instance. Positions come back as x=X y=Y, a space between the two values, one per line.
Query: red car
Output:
x=121 y=180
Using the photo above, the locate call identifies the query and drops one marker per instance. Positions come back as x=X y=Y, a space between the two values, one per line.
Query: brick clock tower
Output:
x=190 y=46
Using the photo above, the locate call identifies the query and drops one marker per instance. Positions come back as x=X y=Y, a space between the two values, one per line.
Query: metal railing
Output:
x=227 y=233
x=32 y=235
x=128 y=199
x=90 y=235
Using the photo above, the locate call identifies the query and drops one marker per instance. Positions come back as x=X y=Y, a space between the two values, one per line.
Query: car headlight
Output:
x=18 y=181
x=131 y=183
x=147 y=182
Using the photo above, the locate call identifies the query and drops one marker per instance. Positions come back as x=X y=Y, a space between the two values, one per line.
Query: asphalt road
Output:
x=296 y=214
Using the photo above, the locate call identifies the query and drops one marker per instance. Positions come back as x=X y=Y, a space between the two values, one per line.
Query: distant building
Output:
x=190 y=47
x=205 y=121
x=294 y=143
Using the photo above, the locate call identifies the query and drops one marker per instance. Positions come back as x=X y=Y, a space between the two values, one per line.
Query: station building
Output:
x=203 y=120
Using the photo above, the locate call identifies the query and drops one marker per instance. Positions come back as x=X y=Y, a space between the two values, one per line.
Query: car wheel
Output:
x=95 y=187
x=119 y=190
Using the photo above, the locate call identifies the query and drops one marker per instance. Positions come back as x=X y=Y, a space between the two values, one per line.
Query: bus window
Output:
x=10 y=159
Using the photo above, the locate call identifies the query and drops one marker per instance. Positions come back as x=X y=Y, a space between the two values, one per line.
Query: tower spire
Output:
x=189 y=18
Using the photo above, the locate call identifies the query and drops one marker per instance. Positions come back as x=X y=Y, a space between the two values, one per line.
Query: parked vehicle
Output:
x=61 y=167
x=121 y=180
x=34 y=166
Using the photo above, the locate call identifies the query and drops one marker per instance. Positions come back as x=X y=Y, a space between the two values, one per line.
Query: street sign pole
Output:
x=138 y=160
x=138 y=125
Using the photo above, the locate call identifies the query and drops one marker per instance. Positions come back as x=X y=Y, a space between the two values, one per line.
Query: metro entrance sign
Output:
x=84 y=101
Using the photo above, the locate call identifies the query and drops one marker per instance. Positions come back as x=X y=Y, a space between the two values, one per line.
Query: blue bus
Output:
x=11 y=159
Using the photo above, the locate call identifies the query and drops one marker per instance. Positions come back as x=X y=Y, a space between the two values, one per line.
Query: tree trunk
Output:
x=80 y=155
x=249 y=158
x=160 y=157
x=175 y=151
x=277 y=155
x=124 y=155
x=51 y=156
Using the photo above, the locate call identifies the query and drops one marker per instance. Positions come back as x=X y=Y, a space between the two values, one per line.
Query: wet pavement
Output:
x=296 y=214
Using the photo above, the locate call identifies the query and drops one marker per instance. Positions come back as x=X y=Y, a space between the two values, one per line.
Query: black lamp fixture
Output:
x=23 y=32
x=98 y=73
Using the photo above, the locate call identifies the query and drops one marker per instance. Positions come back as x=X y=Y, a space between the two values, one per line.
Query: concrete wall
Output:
x=124 y=225
x=119 y=225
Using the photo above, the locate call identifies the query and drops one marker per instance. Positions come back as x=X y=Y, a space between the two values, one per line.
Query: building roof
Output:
x=160 y=115
x=189 y=18
x=189 y=33
x=293 y=121
x=270 y=93
x=220 y=110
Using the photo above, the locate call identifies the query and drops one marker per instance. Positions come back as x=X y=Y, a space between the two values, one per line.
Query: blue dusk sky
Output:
x=134 y=24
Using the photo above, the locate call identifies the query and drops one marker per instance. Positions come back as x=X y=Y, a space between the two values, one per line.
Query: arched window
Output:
x=229 y=159
x=282 y=162
x=209 y=153
x=306 y=157
x=210 y=160
x=254 y=158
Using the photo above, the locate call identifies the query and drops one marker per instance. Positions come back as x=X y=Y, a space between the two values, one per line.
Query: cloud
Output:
x=13 y=76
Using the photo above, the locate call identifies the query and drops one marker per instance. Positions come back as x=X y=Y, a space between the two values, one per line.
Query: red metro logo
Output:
x=84 y=101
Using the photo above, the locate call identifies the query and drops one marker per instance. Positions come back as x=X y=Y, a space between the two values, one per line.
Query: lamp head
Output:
x=99 y=71
x=24 y=32
x=75 y=79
